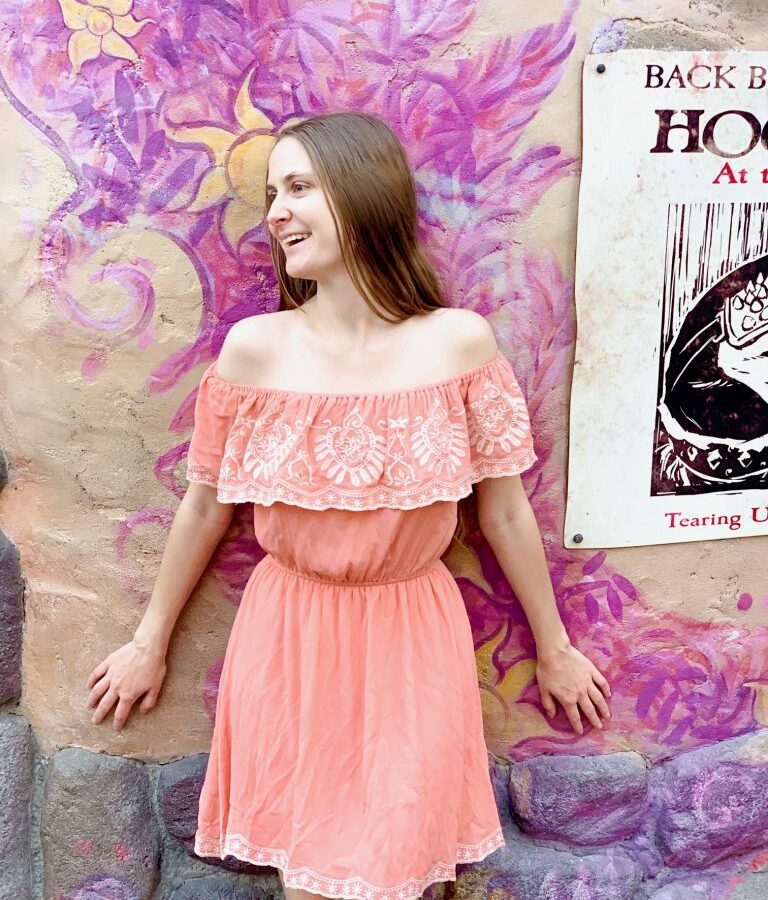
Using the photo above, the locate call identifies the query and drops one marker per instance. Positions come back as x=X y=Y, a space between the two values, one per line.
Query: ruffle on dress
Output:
x=359 y=451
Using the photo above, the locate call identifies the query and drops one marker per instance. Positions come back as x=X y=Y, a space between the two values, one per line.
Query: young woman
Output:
x=348 y=747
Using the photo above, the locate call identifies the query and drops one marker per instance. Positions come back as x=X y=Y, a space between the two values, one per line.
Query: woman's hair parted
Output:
x=363 y=170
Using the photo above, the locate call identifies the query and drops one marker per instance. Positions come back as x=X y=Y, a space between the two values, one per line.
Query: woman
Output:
x=348 y=746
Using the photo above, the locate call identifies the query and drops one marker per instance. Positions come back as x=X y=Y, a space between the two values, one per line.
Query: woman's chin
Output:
x=296 y=270
x=314 y=270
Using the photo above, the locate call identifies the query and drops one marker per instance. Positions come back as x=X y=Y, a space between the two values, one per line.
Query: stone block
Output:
x=216 y=887
x=582 y=800
x=99 y=833
x=712 y=887
x=11 y=621
x=499 y=771
x=178 y=796
x=711 y=802
x=528 y=872
x=178 y=793
x=17 y=766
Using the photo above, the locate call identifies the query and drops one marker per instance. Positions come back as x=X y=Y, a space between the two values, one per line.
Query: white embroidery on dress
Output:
x=269 y=444
x=300 y=468
x=497 y=417
x=399 y=460
x=327 y=496
x=234 y=447
x=357 y=888
x=351 y=450
x=398 y=471
x=437 y=442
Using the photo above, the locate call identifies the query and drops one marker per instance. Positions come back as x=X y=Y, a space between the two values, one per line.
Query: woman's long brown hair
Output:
x=364 y=171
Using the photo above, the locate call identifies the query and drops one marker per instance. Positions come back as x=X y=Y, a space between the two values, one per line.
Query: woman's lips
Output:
x=295 y=244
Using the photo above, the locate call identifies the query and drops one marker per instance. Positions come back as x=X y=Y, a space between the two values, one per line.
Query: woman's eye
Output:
x=272 y=194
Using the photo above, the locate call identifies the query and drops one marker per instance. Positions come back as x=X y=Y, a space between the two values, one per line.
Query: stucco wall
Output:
x=122 y=278
x=127 y=255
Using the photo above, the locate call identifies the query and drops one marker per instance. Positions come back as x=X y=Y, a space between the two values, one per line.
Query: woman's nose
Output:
x=277 y=212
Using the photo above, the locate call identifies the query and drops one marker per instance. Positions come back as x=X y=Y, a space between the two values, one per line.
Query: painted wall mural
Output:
x=163 y=115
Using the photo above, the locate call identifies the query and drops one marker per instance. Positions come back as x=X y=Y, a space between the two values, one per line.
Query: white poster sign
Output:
x=669 y=409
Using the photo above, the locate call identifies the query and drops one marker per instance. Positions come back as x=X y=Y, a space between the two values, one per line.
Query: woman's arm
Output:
x=198 y=526
x=136 y=670
x=563 y=673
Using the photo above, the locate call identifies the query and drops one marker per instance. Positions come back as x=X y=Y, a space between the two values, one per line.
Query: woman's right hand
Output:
x=128 y=673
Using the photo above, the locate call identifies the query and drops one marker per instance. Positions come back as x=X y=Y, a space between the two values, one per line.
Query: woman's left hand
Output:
x=567 y=676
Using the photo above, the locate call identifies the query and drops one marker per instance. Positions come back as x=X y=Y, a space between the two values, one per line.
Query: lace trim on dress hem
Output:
x=355 y=888
x=368 y=497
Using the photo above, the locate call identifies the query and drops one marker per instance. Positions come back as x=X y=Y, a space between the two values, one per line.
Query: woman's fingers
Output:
x=106 y=703
x=121 y=713
x=548 y=702
x=96 y=674
x=602 y=682
x=583 y=705
x=150 y=699
x=579 y=687
x=127 y=675
x=574 y=717
x=586 y=704
x=599 y=700
x=98 y=690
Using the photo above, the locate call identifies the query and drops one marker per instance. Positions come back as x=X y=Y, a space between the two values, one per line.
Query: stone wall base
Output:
x=89 y=826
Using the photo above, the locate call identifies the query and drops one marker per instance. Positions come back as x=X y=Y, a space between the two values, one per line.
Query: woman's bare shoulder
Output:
x=468 y=334
x=247 y=351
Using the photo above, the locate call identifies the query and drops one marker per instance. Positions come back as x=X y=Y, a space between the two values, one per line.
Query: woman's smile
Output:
x=293 y=244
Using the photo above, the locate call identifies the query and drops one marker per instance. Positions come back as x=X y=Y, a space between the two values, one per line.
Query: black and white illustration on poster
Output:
x=669 y=405
x=712 y=421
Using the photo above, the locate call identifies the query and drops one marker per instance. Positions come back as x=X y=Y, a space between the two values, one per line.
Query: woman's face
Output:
x=299 y=205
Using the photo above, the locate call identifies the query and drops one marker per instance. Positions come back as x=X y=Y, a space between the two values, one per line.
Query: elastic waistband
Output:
x=431 y=567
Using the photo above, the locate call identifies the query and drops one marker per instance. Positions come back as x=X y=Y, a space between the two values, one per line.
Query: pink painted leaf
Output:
x=614 y=603
x=594 y=563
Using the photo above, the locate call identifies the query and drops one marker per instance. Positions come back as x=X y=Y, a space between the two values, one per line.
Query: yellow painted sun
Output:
x=238 y=174
x=100 y=26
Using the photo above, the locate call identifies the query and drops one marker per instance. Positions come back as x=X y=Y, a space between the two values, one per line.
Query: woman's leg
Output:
x=297 y=893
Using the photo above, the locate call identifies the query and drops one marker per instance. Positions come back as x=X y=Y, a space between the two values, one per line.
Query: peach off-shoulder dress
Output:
x=348 y=747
